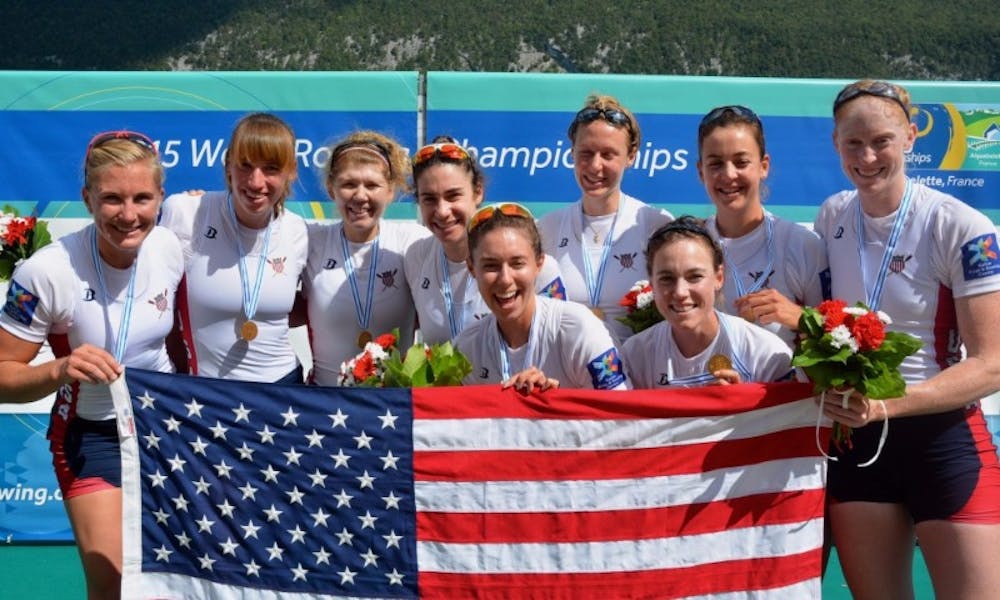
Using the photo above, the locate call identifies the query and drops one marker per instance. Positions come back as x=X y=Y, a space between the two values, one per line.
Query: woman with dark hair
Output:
x=243 y=239
x=773 y=266
x=696 y=344
x=528 y=340
x=104 y=298
x=449 y=186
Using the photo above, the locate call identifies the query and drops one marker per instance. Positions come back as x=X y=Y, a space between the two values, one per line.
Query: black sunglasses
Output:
x=590 y=114
x=879 y=89
x=719 y=112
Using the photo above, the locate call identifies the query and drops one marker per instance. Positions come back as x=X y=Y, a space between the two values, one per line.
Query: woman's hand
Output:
x=530 y=378
x=89 y=364
x=769 y=306
x=725 y=377
x=852 y=408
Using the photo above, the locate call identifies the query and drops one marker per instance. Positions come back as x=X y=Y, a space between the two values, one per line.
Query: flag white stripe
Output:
x=552 y=434
x=629 y=555
x=787 y=475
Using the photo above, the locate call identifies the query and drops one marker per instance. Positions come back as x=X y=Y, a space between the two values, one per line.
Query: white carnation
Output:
x=639 y=285
x=644 y=299
x=842 y=337
x=378 y=354
x=884 y=318
x=857 y=311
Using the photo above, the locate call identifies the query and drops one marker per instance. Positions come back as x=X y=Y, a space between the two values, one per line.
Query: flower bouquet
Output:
x=381 y=364
x=640 y=309
x=20 y=237
x=845 y=347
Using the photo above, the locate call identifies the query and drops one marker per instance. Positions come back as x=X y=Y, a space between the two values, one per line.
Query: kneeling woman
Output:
x=696 y=344
x=529 y=340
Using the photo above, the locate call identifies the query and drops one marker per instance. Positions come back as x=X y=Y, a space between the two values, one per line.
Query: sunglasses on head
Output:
x=880 y=89
x=447 y=150
x=740 y=111
x=590 y=114
x=133 y=136
x=511 y=209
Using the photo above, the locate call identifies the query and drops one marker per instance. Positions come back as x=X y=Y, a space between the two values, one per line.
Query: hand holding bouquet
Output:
x=848 y=347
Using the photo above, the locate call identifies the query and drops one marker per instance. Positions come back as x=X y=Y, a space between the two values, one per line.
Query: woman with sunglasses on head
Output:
x=599 y=239
x=773 y=266
x=244 y=252
x=104 y=298
x=449 y=187
x=529 y=340
x=929 y=262
x=696 y=344
x=354 y=284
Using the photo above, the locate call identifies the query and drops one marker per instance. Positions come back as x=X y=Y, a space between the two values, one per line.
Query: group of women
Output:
x=493 y=280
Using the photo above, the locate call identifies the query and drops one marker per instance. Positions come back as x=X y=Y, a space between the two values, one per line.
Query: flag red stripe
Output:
x=568 y=465
x=491 y=402
x=712 y=578
x=616 y=525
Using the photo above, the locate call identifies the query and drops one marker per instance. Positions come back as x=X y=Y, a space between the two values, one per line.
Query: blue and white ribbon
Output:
x=121 y=339
x=874 y=294
x=364 y=313
x=250 y=296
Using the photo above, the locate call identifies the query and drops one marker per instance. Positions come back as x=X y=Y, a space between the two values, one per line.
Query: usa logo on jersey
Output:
x=20 y=304
x=979 y=257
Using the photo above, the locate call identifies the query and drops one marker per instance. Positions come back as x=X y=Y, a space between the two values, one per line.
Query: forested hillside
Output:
x=907 y=39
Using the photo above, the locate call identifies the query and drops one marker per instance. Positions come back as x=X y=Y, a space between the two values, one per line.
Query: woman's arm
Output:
x=21 y=382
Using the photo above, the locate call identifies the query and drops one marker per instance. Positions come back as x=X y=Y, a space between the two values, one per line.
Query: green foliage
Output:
x=908 y=39
x=440 y=365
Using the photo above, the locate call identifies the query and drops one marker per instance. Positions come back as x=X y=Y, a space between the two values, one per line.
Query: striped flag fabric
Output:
x=243 y=490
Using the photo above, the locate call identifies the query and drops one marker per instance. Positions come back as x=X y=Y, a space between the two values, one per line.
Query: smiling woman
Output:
x=243 y=239
x=528 y=340
x=104 y=298
x=354 y=287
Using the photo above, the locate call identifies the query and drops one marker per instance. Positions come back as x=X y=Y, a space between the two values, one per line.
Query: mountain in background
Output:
x=907 y=39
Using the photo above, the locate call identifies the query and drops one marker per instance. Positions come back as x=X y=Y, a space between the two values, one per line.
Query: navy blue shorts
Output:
x=86 y=454
x=942 y=467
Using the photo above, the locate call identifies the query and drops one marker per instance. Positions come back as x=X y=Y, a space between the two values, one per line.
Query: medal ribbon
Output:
x=734 y=271
x=706 y=377
x=456 y=317
x=505 y=356
x=874 y=295
x=594 y=285
x=250 y=298
x=121 y=340
x=364 y=313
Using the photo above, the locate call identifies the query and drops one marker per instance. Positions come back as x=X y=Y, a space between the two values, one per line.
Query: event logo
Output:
x=555 y=289
x=979 y=257
x=20 y=304
x=606 y=370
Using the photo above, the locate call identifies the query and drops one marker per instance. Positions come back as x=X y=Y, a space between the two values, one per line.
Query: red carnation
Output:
x=631 y=300
x=833 y=313
x=386 y=341
x=17 y=232
x=869 y=331
x=364 y=367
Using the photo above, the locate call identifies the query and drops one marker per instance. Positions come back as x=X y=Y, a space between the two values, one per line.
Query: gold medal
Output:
x=248 y=330
x=719 y=362
x=364 y=338
x=597 y=312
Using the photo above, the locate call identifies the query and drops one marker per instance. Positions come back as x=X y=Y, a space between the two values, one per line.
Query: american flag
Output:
x=243 y=490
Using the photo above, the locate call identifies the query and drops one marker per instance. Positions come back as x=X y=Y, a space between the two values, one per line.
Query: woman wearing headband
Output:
x=696 y=344
x=449 y=187
x=244 y=252
x=930 y=262
x=104 y=298
x=599 y=239
x=773 y=266
x=528 y=340
x=354 y=285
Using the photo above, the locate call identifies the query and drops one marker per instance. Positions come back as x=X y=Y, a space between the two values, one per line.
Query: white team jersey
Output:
x=424 y=274
x=567 y=343
x=947 y=250
x=212 y=308
x=563 y=237
x=652 y=359
x=57 y=291
x=799 y=268
x=334 y=321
